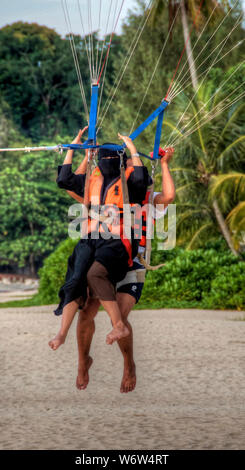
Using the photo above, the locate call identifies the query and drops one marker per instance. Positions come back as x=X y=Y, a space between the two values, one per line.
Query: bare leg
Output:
x=68 y=314
x=102 y=289
x=126 y=303
x=119 y=330
x=85 y=332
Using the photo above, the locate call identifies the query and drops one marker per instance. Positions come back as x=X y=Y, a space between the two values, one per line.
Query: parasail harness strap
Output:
x=146 y=259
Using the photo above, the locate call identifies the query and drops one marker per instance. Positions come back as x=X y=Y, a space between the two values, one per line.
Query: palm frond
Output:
x=173 y=127
x=231 y=146
x=231 y=184
x=236 y=217
x=237 y=113
x=185 y=186
x=182 y=169
x=189 y=214
x=197 y=234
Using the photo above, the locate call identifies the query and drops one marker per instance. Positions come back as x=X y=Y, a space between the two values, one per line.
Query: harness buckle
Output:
x=153 y=169
x=121 y=153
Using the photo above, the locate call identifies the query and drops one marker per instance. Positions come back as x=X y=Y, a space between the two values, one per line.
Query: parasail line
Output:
x=86 y=45
x=109 y=46
x=184 y=48
x=126 y=61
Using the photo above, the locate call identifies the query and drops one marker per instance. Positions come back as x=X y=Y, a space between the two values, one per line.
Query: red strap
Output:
x=161 y=152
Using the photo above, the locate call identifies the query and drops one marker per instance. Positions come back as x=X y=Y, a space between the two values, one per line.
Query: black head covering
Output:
x=106 y=152
x=110 y=168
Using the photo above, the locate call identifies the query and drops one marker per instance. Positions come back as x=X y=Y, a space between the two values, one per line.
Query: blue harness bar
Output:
x=90 y=143
x=93 y=114
x=158 y=135
x=148 y=120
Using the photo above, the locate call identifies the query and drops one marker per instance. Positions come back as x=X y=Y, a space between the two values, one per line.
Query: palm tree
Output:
x=227 y=188
x=210 y=174
x=191 y=9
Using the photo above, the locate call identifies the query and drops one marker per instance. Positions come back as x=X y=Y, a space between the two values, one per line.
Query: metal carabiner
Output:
x=153 y=169
x=60 y=149
x=121 y=153
x=94 y=153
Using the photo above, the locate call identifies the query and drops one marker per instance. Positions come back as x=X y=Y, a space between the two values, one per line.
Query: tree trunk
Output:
x=31 y=256
x=223 y=227
x=32 y=265
x=189 y=52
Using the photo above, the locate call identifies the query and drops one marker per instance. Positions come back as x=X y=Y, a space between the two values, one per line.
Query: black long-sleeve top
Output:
x=137 y=182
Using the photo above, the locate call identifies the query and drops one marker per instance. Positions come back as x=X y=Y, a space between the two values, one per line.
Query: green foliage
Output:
x=33 y=212
x=52 y=274
x=37 y=80
x=227 y=288
x=9 y=135
x=195 y=278
x=137 y=76
x=198 y=278
x=217 y=148
x=209 y=165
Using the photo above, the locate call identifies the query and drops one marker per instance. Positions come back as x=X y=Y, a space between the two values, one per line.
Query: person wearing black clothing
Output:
x=75 y=182
x=98 y=263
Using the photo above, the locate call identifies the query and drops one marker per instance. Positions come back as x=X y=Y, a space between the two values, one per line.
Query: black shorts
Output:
x=111 y=254
x=133 y=282
x=132 y=289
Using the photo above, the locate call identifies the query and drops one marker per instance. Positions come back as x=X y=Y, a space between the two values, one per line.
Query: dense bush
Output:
x=52 y=274
x=228 y=288
x=204 y=278
x=207 y=278
x=34 y=221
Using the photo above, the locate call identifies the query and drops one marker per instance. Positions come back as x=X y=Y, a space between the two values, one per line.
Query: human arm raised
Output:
x=66 y=178
x=131 y=147
x=167 y=194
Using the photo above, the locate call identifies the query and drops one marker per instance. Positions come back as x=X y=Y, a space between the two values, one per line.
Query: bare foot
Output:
x=82 y=376
x=129 y=379
x=119 y=331
x=56 y=342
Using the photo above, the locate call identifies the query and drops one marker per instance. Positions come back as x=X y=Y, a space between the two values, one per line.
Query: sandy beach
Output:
x=189 y=394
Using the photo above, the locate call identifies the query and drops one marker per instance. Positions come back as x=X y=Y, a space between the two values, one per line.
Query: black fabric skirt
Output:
x=110 y=253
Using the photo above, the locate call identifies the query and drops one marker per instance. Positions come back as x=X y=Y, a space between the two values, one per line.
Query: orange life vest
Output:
x=113 y=202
